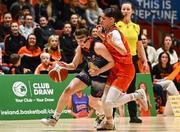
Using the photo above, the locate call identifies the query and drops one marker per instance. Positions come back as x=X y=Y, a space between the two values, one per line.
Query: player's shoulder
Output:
x=99 y=46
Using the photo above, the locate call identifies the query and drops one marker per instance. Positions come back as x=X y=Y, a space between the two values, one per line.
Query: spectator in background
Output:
x=3 y=9
x=17 y=6
x=28 y=26
x=5 y=27
x=46 y=8
x=13 y=42
x=8 y=3
x=74 y=21
x=92 y=13
x=16 y=67
x=108 y=3
x=160 y=72
x=59 y=4
x=53 y=48
x=78 y=105
x=43 y=32
x=94 y=33
x=150 y=51
x=83 y=4
x=167 y=47
x=77 y=22
x=72 y=8
x=24 y=12
x=30 y=53
x=45 y=65
x=131 y=31
x=68 y=43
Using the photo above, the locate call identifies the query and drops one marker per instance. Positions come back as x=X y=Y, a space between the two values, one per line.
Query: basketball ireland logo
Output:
x=19 y=89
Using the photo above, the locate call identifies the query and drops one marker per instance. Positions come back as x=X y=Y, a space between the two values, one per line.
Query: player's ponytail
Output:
x=113 y=12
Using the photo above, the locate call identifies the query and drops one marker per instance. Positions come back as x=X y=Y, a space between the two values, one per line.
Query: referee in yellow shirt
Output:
x=131 y=32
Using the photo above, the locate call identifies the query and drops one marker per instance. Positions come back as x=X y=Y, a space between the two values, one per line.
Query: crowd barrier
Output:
x=36 y=96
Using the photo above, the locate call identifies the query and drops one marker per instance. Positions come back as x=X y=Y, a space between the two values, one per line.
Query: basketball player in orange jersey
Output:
x=94 y=74
x=121 y=74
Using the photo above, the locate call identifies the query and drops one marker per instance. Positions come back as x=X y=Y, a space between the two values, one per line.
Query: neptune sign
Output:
x=162 y=10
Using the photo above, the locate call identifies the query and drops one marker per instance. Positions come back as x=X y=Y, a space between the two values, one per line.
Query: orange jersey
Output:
x=126 y=59
x=121 y=75
x=123 y=72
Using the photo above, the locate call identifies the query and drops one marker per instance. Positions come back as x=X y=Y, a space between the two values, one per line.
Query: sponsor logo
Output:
x=19 y=89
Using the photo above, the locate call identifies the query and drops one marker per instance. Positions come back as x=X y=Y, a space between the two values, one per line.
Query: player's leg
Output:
x=97 y=91
x=75 y=85
x=115 y=98
x=96 y=104
x=121 y=111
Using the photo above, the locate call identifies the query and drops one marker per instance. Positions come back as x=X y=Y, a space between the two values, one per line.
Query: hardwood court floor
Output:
x=150 y=124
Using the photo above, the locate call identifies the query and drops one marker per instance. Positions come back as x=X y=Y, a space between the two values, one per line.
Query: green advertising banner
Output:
x=30 y=96
x=36 y=96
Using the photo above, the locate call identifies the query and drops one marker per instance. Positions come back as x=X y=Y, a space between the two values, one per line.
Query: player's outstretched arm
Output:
x=76 y=60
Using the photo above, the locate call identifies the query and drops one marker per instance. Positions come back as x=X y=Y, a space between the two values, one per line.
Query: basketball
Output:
x=57 y=73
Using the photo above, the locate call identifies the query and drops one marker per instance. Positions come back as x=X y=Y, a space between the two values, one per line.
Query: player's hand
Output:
x=63 y=65
x=145 y=67
x=94 y=71
x=109 y=38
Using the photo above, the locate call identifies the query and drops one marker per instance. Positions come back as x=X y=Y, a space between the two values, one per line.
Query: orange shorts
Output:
x=121 y=76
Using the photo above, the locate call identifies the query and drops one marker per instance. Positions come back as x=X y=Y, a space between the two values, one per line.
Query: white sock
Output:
x=56 y=115
x=135 y=96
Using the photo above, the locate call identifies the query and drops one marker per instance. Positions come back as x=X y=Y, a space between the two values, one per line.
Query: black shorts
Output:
x=97 y=83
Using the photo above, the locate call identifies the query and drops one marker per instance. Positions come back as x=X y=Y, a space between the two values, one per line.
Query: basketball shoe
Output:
x=142 y=99
x=50 y=121
x=105 y=126
x=99 y=119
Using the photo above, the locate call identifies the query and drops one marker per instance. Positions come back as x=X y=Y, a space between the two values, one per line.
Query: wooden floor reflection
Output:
x=150 y=124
